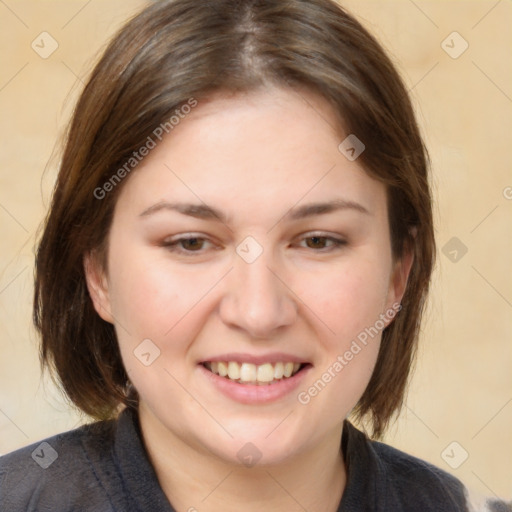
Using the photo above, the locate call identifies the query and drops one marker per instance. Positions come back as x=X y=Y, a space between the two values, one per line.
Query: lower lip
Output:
x=254 y=394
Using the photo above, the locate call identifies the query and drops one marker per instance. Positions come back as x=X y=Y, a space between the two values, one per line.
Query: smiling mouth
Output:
x=259 y=375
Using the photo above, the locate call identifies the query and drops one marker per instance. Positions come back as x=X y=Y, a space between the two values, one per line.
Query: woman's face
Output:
x=246 y=242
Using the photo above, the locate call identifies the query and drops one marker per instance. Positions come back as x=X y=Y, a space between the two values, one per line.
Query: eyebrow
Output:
x=309 y=210
x=203 y=211
x=199 y=211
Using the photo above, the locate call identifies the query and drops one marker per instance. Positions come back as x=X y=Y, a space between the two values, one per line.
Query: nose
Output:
x=257 y=299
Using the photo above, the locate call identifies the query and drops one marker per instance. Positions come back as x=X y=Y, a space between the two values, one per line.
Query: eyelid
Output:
x=185 y=236
x=322 y=234
x=338 y=240
x=172 y=243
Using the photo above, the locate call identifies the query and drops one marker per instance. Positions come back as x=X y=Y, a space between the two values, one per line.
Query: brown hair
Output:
x=173 y=51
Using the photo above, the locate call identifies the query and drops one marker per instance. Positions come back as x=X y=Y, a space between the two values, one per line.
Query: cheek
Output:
x=347 y=299
x=151 y=301
x=347 y=306
x=150 y=296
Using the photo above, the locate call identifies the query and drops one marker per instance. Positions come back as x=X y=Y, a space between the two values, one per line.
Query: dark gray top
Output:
x=103 y=467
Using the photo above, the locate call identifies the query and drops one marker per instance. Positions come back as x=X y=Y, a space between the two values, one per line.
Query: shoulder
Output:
x=398 y=481
x=415 y=480
x=420 y=482
x=58 y=470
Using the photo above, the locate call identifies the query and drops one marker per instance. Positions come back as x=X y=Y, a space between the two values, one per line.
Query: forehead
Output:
x=275 y=146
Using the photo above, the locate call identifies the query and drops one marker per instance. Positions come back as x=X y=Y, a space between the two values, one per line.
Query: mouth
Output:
x=255 y=374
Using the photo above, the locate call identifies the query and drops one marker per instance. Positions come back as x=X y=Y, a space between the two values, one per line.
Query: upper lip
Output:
x=271 y=357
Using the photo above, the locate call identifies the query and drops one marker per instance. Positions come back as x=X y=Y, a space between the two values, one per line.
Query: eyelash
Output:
x=174 y=245
x=336 y=242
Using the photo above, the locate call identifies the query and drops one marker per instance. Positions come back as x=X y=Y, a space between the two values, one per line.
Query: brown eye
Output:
x=188 y=245
x=321 y=243
x=191 y=244
x=317 y=242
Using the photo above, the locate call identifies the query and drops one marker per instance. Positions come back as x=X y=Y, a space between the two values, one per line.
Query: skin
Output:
x=256 y=158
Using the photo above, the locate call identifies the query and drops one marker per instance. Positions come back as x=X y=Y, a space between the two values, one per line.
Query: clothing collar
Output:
x=138 y=475
x=364 y=473
x=140 y=481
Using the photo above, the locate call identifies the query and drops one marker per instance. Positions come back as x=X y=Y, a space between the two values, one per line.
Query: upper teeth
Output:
x=248 y=372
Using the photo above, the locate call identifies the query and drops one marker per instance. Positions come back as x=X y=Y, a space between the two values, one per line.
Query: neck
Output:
x=194 y=480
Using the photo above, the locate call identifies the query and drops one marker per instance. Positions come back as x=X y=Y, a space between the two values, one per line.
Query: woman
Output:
x=236 y=259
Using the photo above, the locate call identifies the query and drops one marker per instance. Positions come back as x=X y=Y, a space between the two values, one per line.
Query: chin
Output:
x=258 y=448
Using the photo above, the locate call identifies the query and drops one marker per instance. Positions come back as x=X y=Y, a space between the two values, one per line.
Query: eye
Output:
x=192 y=244
x=188 y=244
x=321 y=242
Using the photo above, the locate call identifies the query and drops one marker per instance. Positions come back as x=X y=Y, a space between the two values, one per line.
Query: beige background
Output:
x=462 y=388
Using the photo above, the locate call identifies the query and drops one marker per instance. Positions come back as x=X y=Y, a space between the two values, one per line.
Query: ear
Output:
x=400 y=274
x=97 y=284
